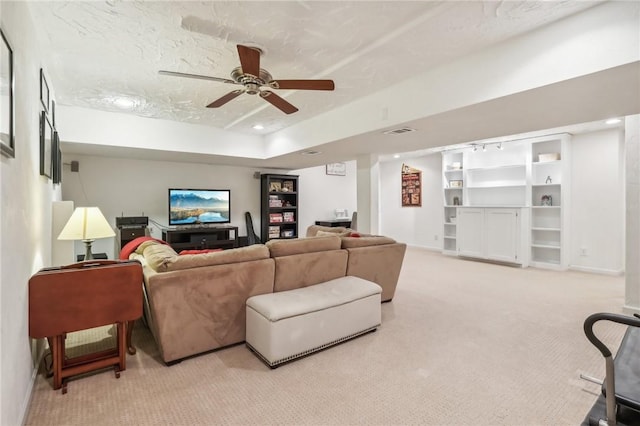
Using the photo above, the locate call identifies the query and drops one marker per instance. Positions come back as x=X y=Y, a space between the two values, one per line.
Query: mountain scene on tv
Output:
x=192 y=207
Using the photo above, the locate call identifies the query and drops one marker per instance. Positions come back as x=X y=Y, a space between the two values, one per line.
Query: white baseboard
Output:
x=430 y=248
x=631 y=309
x=29 y=395
x=600 y=271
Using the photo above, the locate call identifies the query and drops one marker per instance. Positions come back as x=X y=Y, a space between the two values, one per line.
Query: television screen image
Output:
x=199 y=206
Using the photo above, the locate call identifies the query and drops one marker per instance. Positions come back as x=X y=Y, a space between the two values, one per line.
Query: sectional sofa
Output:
x=196 y=303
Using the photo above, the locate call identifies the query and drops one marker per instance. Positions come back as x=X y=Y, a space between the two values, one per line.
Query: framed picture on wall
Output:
x=337 y=169
x=7 y=99
x=46 y=146
x=56 y=153
x=44 y=92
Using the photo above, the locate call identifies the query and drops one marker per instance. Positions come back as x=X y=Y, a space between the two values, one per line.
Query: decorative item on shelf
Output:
x=275 y=217
x=452 y=219
x=546 y=200
x=456 y=201
x=287 y=203
x=456 y=165
x=552 y=156
x=274 y=201
x=548 y=179
x=287 y=186
x=287 y=233
x=274 y=231
x=288 y=217
x=86 y=224
x=455 y=184
x=275 y=186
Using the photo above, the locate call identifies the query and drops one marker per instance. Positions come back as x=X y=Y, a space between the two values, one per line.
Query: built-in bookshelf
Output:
x=529 y=175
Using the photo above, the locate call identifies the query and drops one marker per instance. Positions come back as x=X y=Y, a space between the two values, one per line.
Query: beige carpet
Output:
x=462 y=343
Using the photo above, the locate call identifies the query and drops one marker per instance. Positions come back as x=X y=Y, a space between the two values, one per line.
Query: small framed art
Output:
x=7 y=103
x=44 y=92
x=337 y=169
x=46 y=146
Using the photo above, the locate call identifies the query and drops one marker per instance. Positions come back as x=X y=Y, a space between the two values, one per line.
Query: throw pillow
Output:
x=329 y=233
x=132 y=245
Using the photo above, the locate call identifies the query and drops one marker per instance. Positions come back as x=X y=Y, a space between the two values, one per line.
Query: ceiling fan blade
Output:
x=250 y=60
x=201 y=77
x=303 y=84
x=278 y=102
x=226 y=98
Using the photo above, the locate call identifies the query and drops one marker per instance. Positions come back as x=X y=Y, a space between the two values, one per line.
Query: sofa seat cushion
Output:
x=365 y=241
x=279 y=248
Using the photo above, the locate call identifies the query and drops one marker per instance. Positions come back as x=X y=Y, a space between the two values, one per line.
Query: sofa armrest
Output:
x=378 y=263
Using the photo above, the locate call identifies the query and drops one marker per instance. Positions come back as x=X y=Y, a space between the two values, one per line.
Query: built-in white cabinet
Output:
x=492 y=233
x=503 y=200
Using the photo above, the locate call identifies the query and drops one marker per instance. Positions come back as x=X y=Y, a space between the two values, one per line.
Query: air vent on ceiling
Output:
x=310 y=152
x=399 y=131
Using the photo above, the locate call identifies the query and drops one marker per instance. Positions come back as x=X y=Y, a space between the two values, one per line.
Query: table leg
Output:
x=57 y=353
x=130 y=348
x=122 y=345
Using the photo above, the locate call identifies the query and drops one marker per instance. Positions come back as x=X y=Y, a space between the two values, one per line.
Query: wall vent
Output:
x=399 y=131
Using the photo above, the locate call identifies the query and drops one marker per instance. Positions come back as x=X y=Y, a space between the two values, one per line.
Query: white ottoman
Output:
x=289 y=324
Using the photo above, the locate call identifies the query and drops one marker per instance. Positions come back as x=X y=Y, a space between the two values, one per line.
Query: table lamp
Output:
x=86 y=224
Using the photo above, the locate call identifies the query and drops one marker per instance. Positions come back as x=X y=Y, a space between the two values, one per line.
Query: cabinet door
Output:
x=502 y=234
x=470 y=232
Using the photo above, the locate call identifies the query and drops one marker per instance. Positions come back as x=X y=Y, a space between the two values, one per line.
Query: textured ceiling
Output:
x=100 y=51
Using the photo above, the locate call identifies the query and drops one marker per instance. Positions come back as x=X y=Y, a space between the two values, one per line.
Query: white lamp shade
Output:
x=86 y=223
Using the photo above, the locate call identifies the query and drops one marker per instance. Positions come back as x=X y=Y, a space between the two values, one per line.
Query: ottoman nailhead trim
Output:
x=310 y=351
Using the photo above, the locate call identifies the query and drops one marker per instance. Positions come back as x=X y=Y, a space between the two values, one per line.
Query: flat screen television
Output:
x=199 y=206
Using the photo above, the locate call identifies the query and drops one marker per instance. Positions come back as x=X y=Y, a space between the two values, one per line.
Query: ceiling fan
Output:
x=257 y=81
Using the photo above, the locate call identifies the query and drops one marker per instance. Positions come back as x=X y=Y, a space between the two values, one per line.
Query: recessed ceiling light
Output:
x=125 y=103
x=396 y=155
x=613 y=121
x=258 y=127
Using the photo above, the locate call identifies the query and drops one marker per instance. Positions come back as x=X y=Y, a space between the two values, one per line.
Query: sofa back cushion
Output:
x=365 y=241
x=312 y=230
x=279 y=248
x=242 y=254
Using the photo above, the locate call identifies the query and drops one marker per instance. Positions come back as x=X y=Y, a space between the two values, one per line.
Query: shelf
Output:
x=547 y=185
x=545 y=207
x=539 y=163
x=450 y=223
x=453 y=187
x=519 y=185
x=509 y=166
x=546 y=246
x=546 y=229
x=452 y=171
x=448 y=237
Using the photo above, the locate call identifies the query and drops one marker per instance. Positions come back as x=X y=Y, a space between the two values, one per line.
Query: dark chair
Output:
x=252 y=238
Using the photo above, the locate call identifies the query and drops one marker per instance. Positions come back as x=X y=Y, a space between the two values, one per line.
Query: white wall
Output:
x=597 y=202
x=420 y=226
x=138 y=187
x=320 y=194
x=25 y=225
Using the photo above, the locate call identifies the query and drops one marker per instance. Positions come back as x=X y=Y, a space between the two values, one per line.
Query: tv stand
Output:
x=200 y=238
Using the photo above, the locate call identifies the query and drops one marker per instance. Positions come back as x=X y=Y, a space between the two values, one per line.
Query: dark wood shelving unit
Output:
x=278 y=206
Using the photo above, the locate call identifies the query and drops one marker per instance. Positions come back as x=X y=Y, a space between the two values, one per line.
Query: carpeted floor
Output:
x=462 y=343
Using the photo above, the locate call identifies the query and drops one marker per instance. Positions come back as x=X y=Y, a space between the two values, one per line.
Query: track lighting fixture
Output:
x=484 y=148
x=475 y=148
x=500 y=146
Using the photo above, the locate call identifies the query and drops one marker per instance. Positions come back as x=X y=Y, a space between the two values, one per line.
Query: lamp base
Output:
x=87 y=249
